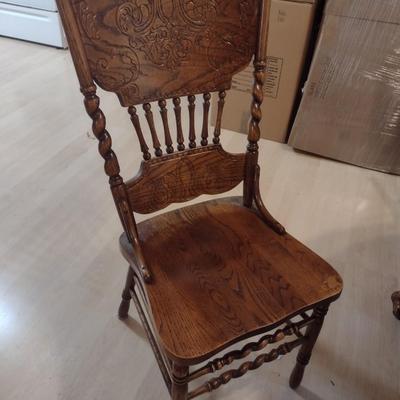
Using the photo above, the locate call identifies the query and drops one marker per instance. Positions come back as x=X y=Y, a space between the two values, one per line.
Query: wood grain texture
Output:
x=229 y=275
x=180 y=177
x=151 y=49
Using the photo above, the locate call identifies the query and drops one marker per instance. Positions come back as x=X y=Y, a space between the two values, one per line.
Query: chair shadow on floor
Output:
x=307 y=394
x=135 y=326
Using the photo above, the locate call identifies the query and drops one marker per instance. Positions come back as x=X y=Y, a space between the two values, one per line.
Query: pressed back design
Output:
x=151 y=53
x=175 y=179
x=146 y=50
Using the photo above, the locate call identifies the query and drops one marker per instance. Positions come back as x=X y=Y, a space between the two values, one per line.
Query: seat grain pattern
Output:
x=221 y=274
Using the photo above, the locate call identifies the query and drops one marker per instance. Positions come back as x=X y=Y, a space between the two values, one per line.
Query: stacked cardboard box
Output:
x=350 y=110
x=289 y=31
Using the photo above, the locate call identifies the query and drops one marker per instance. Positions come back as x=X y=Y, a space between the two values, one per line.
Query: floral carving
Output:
x=164 y=47
x=129 y=41
x=88 y=20
x=198 y=12
x=137 y=15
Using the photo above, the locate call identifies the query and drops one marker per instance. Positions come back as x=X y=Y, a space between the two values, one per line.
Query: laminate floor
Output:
x=61 y=273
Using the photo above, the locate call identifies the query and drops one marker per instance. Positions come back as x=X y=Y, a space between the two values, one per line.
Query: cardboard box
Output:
x=350 y=110
x=289 y=30
x=373 y=10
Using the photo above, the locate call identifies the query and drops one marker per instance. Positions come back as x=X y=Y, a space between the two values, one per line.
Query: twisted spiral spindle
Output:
x=111 y=165
x=258 y=97
x=229 y=358
x=224 y=378
x=254 y=131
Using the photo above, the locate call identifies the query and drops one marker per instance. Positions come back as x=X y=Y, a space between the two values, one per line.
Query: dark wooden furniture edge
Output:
x=396 y=304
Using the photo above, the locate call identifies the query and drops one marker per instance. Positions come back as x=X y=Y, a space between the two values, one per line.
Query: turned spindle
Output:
x=154 y=137
x=192 y=130
x=221 y=103
x=206 y=109
x=178 y=118
x=167 y=134
x=136 y=123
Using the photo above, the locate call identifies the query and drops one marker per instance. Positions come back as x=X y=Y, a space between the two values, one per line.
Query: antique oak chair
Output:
x=206 y=276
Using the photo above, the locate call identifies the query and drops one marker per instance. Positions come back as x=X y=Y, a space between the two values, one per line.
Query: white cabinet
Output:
x=49 y=5
x=33 y=20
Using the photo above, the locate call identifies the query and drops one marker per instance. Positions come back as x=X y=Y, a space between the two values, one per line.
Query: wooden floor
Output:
x=61 y=273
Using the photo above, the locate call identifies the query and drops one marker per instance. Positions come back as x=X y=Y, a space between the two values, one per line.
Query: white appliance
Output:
x=33 y=20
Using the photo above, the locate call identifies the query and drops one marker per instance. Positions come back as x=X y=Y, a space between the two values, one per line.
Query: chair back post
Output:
x=260 y=65
x=92 y=105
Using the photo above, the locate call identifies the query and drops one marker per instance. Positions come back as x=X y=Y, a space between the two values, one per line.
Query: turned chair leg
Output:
x=126 y=295
x=179 y=385
x=305 y=351
x=396 y=304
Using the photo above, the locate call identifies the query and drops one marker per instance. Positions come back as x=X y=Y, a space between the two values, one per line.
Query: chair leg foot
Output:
x=179 y=390
x=305 y=351
x=124 y=308
x=126 y=296
x=396 y=304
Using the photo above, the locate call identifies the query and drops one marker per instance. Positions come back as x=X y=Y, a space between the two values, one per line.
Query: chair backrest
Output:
x=156 y=50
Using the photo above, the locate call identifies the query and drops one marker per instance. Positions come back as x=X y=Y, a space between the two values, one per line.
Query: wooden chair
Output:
x=206 y=276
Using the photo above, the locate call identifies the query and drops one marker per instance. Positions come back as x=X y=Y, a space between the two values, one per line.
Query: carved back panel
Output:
x=176 y=179
x=153 y=50
x=146 y=50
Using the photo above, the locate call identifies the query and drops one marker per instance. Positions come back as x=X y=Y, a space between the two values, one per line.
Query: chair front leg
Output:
x=126 y=295
x=305 y=351
x=179 y=389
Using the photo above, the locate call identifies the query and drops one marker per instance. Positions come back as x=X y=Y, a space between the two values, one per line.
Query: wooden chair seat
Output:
x=220 y=274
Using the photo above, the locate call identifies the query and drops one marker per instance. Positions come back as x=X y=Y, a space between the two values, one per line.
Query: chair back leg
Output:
x=126 y=295
x=305 y=351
